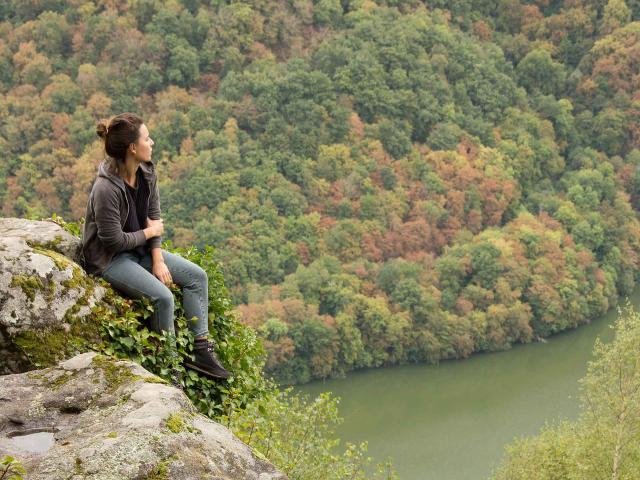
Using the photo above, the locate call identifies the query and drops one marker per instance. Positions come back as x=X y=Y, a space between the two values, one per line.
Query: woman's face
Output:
x=144 y=146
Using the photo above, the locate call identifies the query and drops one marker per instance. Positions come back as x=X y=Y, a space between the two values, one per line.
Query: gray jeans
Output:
x=132 y=274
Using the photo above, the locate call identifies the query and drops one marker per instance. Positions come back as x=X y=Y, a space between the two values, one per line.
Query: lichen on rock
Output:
x=46 y=298
x=109 y=422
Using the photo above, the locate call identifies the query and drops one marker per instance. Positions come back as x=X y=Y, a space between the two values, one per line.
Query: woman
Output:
x=124 y=199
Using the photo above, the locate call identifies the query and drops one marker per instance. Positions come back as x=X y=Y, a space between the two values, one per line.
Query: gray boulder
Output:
x=45 y=295
x=93 y=417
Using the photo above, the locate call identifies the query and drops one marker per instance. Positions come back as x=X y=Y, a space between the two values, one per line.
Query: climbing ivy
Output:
x=126 y=334
x=11 y=468
x=253 y=407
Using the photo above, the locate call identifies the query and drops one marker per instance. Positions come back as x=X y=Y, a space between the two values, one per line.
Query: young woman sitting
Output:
x=122 y=237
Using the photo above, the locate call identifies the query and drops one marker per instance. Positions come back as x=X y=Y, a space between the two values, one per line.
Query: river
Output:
x=451 y=421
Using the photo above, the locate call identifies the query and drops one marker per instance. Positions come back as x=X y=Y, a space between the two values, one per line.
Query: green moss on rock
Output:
x=81 y=281
x=48 y=245
x=61 y=380
x=61 y=261
x=155 y=380
x=37 y=376
x=28 y=283
x=78 y=469
x=176 y=423
x=78 y=280
x=115 y=375
x=51 y=345
x=161 y=470
x=42 y=349
x=75 y=334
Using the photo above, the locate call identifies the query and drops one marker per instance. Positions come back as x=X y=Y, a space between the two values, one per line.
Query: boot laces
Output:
x=211 y=349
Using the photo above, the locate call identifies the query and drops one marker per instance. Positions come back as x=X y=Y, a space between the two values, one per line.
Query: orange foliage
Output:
x=278 y=351
x=463 y=345
x=14 y=190
x=463 y=306
x=468 y=148
x=549 y=222
x=356 y=127
x=531 y=17
x=369 y=289
x=584 y=258
x=59 y=133
x=303 y=253
x=474 y=221
x=450 y=229
x=326 y=222
x=259 y=50
x=376 y=151
x=587 y=88
x=208 y=82
x=48 y=195
x=370 y=248
x=482 y=30
x=99 y=105
x=187 y=146
x=626 y=175
x=416 y=191
x=614 y=59
x=455 y=202
x=409 y=238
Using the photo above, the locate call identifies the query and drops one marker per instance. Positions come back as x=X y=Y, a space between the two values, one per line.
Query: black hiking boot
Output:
x=206 y=361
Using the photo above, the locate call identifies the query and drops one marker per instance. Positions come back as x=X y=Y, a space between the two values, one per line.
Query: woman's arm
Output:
x=154 y=213
x=107 y=215
x=159 y=267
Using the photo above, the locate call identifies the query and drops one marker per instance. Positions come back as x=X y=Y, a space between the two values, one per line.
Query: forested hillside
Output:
x=383 y=182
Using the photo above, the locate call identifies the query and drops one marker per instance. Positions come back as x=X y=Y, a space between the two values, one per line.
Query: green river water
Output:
x=451 y=421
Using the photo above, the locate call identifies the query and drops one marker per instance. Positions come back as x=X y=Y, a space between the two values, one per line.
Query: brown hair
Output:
x=118 y=134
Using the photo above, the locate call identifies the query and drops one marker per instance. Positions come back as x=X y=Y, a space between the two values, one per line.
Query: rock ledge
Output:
x=112 y=420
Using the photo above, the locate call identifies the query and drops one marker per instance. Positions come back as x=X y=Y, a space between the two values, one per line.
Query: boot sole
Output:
x=202 y=370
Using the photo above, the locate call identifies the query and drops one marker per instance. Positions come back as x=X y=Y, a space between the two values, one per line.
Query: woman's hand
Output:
x=161 y=271
x=154 y=228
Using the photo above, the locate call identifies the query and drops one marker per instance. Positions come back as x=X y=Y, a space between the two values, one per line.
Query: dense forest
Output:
x=383 y=182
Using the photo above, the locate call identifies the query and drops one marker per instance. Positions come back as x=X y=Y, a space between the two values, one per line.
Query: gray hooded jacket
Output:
x=107 y=211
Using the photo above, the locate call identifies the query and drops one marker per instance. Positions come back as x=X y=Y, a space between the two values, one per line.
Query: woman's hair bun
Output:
x=101 y=130
x=123 y=130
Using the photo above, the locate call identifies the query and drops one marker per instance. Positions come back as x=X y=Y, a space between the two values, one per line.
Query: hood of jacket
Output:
x=100 y=246
x=106 y=171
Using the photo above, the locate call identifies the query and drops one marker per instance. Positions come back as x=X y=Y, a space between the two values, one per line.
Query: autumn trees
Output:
x=383 y=182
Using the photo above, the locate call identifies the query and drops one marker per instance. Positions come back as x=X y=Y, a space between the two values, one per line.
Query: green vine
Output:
x=11 y=468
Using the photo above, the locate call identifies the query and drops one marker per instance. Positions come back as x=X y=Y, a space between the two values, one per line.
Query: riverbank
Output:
x=451 y=421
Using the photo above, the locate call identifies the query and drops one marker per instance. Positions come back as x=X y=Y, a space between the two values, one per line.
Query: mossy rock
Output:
x=46 y=234
x=46 y=298
x=47 y=347
x=139 y=429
